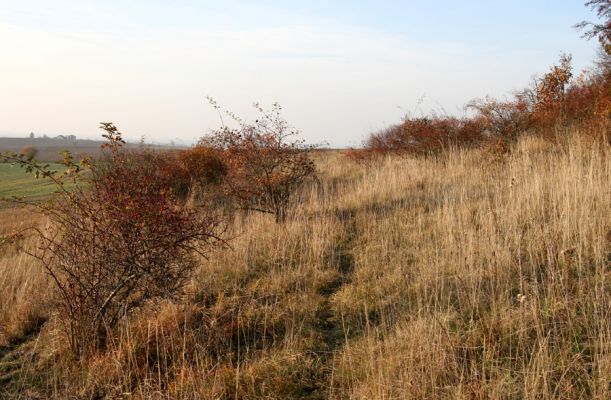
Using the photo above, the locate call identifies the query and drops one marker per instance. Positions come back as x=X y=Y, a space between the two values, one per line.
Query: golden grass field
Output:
x=465 y=276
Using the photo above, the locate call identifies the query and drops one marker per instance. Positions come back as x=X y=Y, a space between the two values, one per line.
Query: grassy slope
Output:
x=459 y=277
x=15 y=182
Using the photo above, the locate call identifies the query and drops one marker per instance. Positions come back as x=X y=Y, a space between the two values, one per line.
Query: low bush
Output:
x=265 y=162
x=115 y=240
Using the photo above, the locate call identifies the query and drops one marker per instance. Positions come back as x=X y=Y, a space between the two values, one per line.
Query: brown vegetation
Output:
x=458 y=258
x=460 y=277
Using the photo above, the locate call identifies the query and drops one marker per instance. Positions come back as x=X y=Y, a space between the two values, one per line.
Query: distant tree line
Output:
x=58 y=137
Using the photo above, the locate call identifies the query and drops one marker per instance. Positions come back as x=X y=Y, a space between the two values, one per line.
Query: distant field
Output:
x=14 y=181
x=49 y=150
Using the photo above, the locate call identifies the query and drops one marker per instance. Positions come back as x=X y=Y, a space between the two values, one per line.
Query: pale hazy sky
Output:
x=340 y=69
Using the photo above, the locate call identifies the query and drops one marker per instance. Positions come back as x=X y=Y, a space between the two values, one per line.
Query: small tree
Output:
x=602 y=30
x=551 y=89
x=266 y=162
x=116 y=239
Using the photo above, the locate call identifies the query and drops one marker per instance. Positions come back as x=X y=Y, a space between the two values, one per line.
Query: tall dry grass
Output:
x=480 y=280
x=24 y=287
x=462 y=276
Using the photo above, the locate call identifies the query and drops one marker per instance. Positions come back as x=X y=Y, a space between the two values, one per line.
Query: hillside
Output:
x=466 y=275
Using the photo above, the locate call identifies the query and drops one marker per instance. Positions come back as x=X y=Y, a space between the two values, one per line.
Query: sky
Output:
x=340 y=69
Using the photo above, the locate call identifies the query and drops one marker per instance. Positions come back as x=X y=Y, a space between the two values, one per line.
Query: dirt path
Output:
x=329 y=325
x=14 y=360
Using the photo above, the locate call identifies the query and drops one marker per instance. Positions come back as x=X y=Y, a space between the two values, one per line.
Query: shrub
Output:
x=265 y=162
x=29 y=152
x=207 y=171
x=505 y=119
x=193 y=172
x=118 y=239
x=555 y=100
x=424 y=135
x=204 y=164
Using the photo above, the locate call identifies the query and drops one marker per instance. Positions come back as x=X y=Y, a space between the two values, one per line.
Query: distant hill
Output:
x=49 y=149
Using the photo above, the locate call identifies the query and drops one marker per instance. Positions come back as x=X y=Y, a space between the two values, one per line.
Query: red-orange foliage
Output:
x=550 y=93
x=588 y=101
x=205 y=165
x=556 y=99
x=192 y=171
x=29 y=152
x=425 y=135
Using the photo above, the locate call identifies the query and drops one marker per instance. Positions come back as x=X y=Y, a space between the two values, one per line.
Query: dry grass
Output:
x=461 y=276
x=24 y=288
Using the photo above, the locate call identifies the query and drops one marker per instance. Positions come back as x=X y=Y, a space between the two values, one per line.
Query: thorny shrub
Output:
x=116 y=239
x=265 y=161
